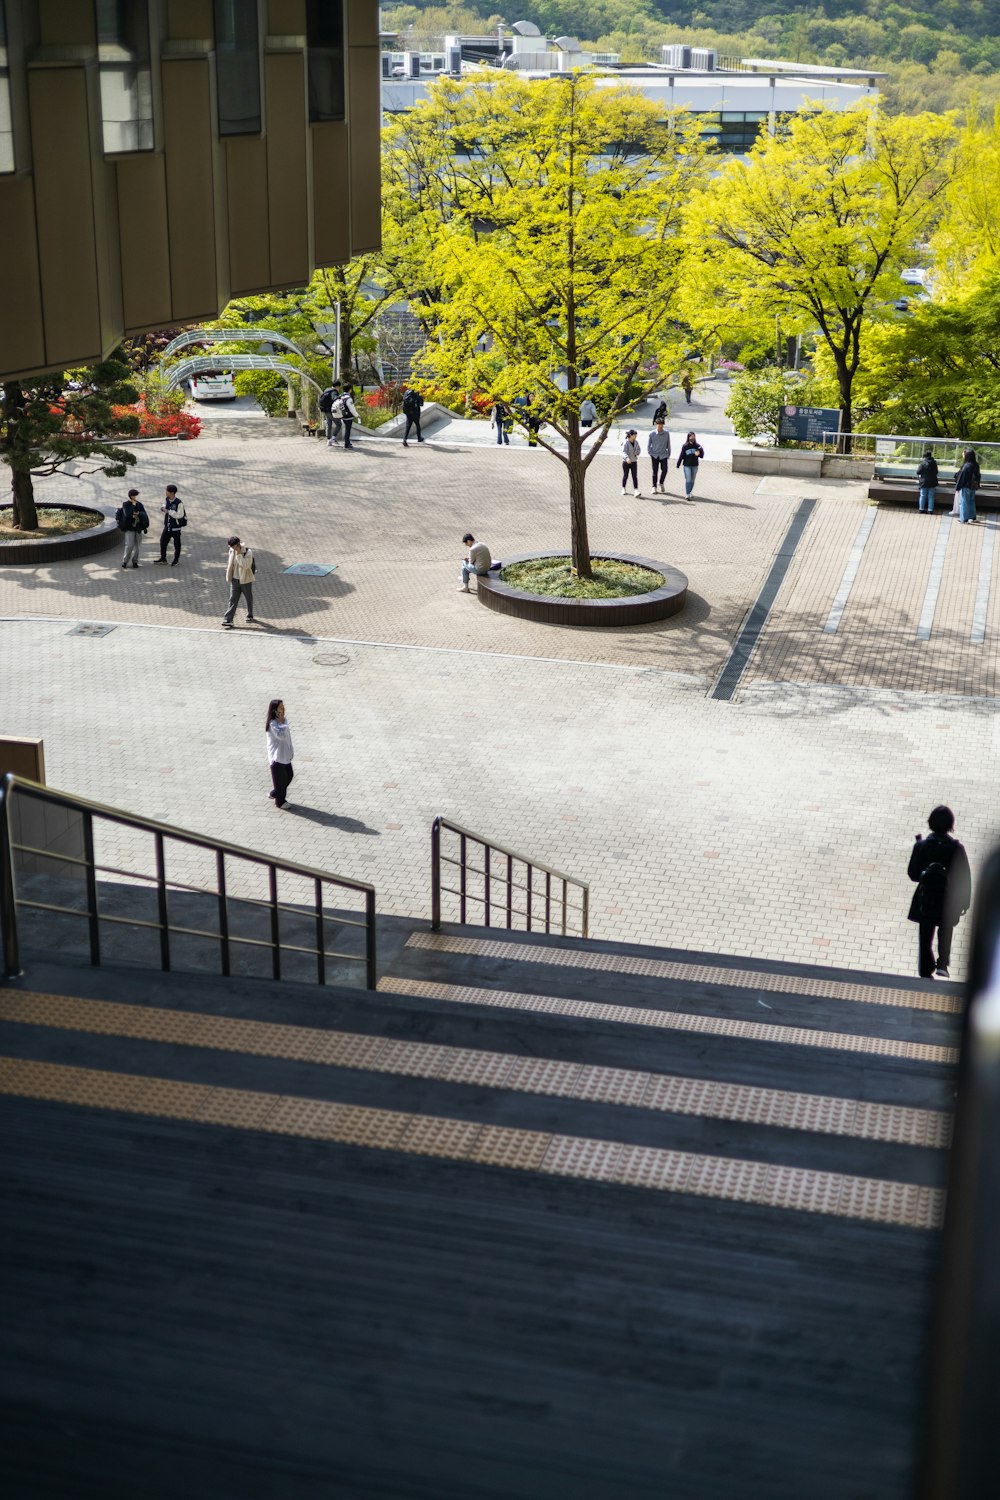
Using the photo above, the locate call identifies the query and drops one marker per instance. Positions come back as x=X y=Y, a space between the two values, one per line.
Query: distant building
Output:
x=158 y=157
x=734 y=98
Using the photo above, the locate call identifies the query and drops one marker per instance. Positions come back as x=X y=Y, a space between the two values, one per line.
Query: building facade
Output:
x=159 y=157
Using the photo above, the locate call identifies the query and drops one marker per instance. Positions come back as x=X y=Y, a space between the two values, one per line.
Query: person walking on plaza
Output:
x=328 y=405
x=660 y=414
x=690 y=456
x=133 y=519
x=630 y=461
x=349 y=413
x=240 y=571
x=174 y=521
x=658 y=448
x=279 y=751
x=927 y=478
x=412 y=402
x=940 y=867
x=477 y=560
x=687 y=386
x=588 y=413
x=500 y=419
x=967 y=481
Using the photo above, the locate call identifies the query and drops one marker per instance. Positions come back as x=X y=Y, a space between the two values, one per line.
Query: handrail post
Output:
x=463 y=873
x=371 y=956
x=272 y=885
x=486 y=882
x=161 y=903
x=8 y=902
x=585 y=919
x=90 y=871
x=548 y=901
x=220 y=880
x=435 y=876
x=530 y=896
x=510 y=892
x=564 y=909
x=320 y=935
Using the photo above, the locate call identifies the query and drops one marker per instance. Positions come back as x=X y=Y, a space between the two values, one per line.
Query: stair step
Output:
x=633 y=1088
x=550 y=1153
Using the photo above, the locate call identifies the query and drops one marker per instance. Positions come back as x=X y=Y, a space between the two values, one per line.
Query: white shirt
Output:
x=279 y=742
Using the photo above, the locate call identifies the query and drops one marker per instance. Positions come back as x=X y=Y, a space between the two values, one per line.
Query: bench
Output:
x=900 y=491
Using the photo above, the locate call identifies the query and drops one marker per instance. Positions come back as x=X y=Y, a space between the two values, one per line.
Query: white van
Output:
x=213 y=385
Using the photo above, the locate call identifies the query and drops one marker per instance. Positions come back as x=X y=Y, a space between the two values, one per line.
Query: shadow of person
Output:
x=332 y=820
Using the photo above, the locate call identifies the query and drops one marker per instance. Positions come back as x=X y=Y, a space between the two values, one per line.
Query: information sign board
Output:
x=807 y=424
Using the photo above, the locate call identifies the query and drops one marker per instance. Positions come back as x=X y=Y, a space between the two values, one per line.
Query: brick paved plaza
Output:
x=777 y=824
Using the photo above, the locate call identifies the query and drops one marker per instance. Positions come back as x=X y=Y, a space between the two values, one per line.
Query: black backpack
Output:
x=120 y=519
x=326 y=401
x=411 y=403
x=930 y=892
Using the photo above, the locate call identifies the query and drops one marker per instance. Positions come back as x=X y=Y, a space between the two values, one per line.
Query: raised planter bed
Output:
x=635 y=609
x=58 y=548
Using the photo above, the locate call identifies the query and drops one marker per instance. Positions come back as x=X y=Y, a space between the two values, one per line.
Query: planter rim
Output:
x=57 y=548
x=627 y=609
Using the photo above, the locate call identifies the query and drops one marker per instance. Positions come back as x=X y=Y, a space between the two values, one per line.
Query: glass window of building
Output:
x=6 y=124
x=325 y=31
x=126 y=81
x=237 y=66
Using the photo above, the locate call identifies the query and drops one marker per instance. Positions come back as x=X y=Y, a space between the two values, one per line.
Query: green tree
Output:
x=757 y=397
x=64 y=418
x=814 y=227
x=967 y=242
x=557 y=251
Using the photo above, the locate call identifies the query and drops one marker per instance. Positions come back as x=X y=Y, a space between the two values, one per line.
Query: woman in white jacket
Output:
x=279 y=751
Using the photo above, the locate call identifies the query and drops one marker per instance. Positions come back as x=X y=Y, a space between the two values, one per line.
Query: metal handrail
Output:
x=486 y=900
x=89 y=811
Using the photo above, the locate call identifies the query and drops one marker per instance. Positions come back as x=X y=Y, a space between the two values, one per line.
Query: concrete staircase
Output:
x=540 y=1218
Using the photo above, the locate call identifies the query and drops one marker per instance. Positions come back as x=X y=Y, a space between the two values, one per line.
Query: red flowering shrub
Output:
x=389 y=395
x=176 y=424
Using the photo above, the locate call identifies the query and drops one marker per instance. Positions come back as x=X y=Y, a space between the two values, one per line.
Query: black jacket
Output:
x=940 y=901
x=968 y=477
x=927 y=472
x=689 y=455
x=134 y=516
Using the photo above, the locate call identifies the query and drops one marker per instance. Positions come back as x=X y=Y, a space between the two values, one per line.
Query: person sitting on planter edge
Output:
x=478 y=560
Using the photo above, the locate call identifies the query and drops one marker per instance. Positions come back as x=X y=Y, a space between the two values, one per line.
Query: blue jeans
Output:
x=502 y=434
x=926 y=499
x=468 y=571
x=967 y=505
x=690 y=475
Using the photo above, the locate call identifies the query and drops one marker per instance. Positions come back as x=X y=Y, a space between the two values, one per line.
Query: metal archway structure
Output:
x=230 y=335
x=182 y=372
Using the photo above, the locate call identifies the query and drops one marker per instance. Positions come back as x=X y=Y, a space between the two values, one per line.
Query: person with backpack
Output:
x=174 y=521
x=500 y=418
x=940 y=867
x=327 y=402
x=927 y=478
x=240 y=572
x=658 y=448
x=967 y=481
x=690 y=456
x=412 y=402
x=133 y=519
x=630 y=461
x=348 y=413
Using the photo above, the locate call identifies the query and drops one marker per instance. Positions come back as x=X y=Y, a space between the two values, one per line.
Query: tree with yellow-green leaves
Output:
x=814 y=228
x=548 y=252
x=967 y=242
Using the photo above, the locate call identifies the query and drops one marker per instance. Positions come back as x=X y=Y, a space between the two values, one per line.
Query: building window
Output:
x=126 y=81
x=6 y=123
x=325 y=31
x=733 y=133
x=237 y=66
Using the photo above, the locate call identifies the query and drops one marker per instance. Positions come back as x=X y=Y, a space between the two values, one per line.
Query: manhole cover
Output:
x=332 y=659
x=91 y=630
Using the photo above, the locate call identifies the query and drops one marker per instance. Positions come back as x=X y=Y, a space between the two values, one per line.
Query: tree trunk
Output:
x=578 y=511
x=845 y=380
x=25 y=515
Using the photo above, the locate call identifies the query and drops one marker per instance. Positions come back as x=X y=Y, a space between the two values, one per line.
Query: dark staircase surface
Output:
x=541 y=1218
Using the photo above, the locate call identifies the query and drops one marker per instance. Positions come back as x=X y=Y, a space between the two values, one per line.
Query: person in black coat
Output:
x=927 y=478
x=940 y=867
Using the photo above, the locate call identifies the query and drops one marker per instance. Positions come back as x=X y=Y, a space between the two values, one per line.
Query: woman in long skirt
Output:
x=279 y=751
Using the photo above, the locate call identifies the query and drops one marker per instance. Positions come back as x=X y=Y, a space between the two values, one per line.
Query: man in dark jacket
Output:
x=940 y=866
x=927 y=478
x=412 y=402
x=174 y=521
x=134 y=521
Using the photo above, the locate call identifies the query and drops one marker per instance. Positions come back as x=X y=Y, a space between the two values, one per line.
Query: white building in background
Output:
x=734 y=97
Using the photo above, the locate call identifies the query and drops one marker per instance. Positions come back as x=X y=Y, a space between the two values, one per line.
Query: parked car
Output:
x=213 y=385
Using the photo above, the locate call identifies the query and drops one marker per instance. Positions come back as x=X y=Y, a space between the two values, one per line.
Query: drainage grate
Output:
x=91 y=630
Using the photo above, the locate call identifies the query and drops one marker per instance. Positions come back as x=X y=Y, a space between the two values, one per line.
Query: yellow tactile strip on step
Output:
x=634 y=1015
x=631 y=1088
x=580 y=1157
x=661 y=968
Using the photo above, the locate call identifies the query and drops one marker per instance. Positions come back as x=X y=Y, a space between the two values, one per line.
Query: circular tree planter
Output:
x=57 y=548
x=633 y=609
